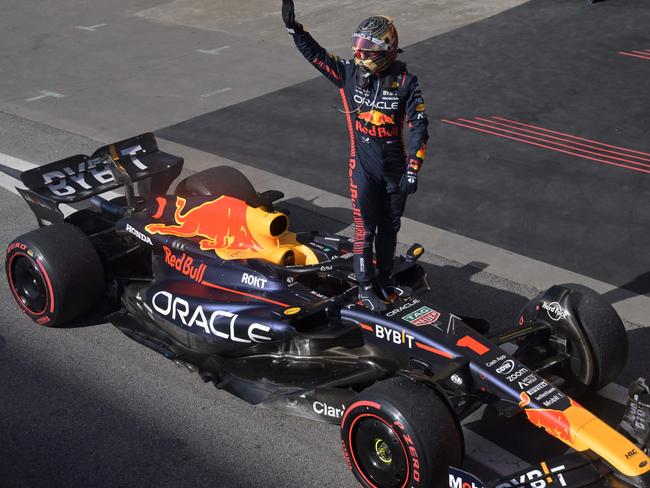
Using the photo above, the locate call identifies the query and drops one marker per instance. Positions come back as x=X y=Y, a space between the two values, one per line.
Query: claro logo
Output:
x=219 y=323
x=322 y=408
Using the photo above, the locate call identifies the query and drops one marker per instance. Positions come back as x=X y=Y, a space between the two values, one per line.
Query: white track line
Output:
x=10 y=183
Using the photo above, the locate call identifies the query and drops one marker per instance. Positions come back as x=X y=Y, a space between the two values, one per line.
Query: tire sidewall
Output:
x=17 y=250
x=414 y=450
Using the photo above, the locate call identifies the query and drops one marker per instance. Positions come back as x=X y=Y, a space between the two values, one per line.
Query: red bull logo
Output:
x=222 y=223
x=185 y=265
x=554 y=422
x=376 y=117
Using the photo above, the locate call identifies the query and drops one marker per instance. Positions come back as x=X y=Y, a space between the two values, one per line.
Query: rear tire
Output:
x=54 y=273
x=400 y=433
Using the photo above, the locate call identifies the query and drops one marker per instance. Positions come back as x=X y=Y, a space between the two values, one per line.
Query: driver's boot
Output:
x=390 y=290
x=369 y=299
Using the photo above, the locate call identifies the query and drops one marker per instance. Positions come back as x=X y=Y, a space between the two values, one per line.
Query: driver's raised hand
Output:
x=289 y=16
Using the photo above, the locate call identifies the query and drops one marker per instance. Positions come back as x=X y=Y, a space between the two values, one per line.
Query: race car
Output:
x=211 y=276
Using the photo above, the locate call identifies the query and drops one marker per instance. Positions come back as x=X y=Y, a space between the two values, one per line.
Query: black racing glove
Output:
x=409 y=182
x=289 y=17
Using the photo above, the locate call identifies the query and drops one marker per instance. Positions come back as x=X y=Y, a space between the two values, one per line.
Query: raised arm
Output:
x=331 y=66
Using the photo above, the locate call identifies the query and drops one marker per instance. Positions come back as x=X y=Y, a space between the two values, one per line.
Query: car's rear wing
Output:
x=80 y=177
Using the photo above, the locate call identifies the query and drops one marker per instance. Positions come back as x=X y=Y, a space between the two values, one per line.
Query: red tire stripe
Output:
x=357 y=405
x=50 y=297
x=49 y=284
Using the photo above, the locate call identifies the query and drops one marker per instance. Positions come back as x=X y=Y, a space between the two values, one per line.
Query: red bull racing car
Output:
x=211 y=277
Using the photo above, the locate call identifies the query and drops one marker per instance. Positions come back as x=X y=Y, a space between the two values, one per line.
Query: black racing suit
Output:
x=378 y=156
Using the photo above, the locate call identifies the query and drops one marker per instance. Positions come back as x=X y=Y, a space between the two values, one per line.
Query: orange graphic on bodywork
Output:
x=554 y=422
x=222 y=223
x=560 y=424
x=375 y=117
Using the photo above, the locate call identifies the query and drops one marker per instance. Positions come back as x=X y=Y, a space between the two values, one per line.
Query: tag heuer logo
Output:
x=422 y=316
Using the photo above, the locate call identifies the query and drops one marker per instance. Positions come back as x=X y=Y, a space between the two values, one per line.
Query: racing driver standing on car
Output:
x=378 y=94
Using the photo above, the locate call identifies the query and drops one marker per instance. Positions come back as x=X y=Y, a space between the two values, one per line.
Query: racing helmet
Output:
x=375 y=44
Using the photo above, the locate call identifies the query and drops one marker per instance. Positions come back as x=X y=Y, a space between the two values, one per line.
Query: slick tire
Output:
x=604 y=332
x=54 y=273
x=399 y=433
x=222 y=180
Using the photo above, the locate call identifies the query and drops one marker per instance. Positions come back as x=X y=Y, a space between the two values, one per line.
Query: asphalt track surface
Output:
x=580 y=205
x=88 y=407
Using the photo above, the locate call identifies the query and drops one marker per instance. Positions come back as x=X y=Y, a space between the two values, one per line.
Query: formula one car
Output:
x=211 y=277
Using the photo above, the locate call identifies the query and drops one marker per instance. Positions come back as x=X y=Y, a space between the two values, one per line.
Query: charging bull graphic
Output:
x=561 y=424
x=375 y=117
x=222 y=223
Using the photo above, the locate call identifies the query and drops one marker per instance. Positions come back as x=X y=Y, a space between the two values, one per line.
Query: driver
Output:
x=378 y=95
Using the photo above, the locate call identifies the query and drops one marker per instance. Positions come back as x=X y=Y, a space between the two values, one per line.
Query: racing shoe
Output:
x=369 y=299
x=391 y=291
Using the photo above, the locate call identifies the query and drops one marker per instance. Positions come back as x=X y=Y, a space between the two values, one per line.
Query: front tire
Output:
x=54 y=273
x=400 y=433
x=605 y=334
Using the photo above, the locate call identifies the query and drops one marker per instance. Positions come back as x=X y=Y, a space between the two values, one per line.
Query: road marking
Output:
x=44 y=94
x=216 y=92
x=10 y=183
x=90 y=28
x=213 y=52
x=600 y=155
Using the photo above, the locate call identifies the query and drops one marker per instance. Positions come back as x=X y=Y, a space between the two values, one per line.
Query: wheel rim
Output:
x=29 y=285
x=380 y=452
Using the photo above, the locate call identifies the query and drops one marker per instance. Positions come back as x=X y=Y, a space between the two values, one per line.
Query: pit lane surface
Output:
x=87 y=407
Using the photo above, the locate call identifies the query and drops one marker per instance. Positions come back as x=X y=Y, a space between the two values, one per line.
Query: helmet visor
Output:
x=371 y=55
x=364 y=42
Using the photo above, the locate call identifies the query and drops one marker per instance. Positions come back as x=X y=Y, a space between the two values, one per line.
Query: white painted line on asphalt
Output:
x=10 y=183
x=213 y=52
x=90 y=28
x=44 y=94
x=16 y=163
x=216 y=92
